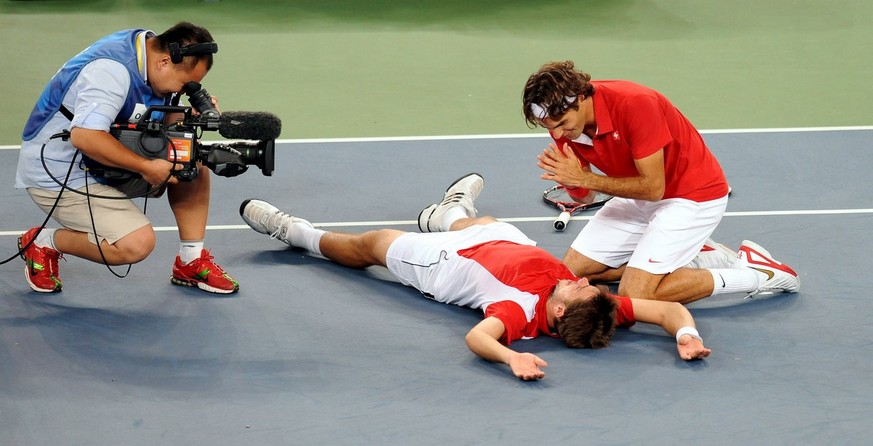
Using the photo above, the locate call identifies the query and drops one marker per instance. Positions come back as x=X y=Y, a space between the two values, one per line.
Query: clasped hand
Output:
x=562 y=166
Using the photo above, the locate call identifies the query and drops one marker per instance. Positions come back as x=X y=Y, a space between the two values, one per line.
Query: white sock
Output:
x=735 y=280
x=305 y=236
x=46 y=238
x=452 y=215
x=190 y=250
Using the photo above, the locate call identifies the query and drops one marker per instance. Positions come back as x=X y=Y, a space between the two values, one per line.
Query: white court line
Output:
x=528 y=219
x=530 y=135
x=388 y=223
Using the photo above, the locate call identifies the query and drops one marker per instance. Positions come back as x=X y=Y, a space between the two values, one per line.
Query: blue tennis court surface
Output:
x=309 y=352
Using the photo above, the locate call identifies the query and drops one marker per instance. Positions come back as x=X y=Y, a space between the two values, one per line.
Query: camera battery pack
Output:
x=174 y=146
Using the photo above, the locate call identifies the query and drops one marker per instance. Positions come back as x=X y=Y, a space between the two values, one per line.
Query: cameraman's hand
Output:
x=155 y=171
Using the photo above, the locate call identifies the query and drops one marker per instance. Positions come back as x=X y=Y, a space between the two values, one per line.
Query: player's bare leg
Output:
x=685 y=285
x=594 y=271
x=467 y=222
x=358 y=250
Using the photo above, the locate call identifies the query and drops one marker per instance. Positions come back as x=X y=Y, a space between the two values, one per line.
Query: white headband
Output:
x=540 y=112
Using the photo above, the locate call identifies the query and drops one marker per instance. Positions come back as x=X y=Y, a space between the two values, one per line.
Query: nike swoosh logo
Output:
x=655 y=261
x=765 y=271
x=35 y=268
x=723 y=284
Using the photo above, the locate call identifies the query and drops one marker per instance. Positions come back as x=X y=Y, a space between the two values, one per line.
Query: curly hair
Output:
x=589 y=323
x=549 y=89
x=186 y=33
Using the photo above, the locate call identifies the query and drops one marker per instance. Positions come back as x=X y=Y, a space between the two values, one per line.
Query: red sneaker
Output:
x=40 y=265
x=204 y=274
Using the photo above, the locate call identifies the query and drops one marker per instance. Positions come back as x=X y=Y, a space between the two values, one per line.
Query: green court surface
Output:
x=347 y=68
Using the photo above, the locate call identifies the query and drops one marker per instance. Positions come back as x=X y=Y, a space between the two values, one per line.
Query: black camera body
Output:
x=179 y=141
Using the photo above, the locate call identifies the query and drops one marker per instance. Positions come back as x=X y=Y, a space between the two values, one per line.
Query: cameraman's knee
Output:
x=136 y=246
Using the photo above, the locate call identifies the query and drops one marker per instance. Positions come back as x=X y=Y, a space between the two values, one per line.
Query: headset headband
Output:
x=195 y=49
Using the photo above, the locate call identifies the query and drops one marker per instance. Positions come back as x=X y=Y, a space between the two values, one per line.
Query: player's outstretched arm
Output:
x=675 y=319
x=483 y=340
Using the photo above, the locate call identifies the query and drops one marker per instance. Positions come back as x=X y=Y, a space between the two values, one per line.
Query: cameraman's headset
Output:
x=194 y=49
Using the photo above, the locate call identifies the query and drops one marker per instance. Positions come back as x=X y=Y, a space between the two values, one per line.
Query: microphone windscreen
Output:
x=249 y=125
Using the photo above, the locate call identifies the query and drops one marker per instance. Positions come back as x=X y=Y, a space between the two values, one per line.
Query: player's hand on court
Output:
x=526 y=366
x=561 y=166
x=691 y=348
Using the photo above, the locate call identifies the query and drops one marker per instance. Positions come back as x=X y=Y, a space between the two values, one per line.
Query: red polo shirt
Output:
x=530 y=270
x=633 y=122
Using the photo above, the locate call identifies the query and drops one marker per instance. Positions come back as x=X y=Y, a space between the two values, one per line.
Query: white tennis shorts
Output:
x=419 y=260
x=658 y=237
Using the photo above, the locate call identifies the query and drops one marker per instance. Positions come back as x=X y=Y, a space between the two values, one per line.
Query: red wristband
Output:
x=577 y=193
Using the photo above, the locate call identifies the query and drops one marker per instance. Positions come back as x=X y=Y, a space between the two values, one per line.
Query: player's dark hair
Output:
x=589 y=323
x=183 y=34
x=549 y=87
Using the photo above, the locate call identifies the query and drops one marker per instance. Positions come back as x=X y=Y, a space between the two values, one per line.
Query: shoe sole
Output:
x=242 y=207
x=201 y=285
x=420 y=229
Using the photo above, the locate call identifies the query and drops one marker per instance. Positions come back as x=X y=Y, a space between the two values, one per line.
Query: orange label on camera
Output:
x=179 y=150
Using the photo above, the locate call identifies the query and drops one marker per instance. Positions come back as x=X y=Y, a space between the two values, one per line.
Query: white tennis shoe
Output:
x=461 y=193
x=268 y=219
x=714 y=255
x=780 y=277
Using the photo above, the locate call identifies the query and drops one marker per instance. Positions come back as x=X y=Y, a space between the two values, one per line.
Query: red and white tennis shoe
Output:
x=714 y=255
x=780 y=277
x=462 y=193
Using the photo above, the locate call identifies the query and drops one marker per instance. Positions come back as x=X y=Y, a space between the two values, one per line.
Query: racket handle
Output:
x=562 y=220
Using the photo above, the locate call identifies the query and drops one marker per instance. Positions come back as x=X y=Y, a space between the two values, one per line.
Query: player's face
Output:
x=569 y=125
x=168 y=78
x=575 y=290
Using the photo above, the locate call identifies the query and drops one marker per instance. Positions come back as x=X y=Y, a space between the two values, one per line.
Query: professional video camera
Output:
x=179 y=141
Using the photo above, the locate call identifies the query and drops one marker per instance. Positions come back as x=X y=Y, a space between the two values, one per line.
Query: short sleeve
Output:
x=512 y=316
x=98 y=94
x=647 y=130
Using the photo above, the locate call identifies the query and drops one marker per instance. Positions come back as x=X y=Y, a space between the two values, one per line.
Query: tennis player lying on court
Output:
x=481 y=263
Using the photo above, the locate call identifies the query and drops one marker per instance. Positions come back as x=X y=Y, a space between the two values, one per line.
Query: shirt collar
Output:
x=141 y=62
x=601 y=114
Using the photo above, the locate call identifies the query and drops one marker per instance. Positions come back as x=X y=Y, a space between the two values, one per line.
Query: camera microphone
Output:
x=232 y=125
x=249 y=125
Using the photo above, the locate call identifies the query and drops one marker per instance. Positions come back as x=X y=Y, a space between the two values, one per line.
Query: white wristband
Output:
x=691 y=331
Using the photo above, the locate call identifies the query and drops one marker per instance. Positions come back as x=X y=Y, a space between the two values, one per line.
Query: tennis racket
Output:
x=559 y=198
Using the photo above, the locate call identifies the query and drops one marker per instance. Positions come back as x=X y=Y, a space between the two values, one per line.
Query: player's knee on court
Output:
x=638 y=284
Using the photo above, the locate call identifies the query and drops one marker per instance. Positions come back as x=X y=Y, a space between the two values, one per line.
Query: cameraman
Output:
x=114 y=81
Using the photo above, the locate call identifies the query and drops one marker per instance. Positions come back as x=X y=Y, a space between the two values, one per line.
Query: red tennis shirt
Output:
x=633 y=122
